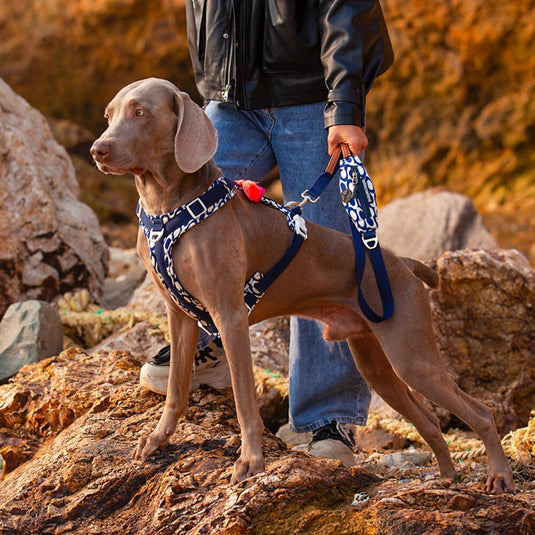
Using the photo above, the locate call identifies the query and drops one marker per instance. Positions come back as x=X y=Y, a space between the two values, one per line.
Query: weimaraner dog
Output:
x=161 y=136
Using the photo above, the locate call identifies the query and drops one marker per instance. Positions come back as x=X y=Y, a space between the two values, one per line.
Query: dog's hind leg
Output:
x=376 y=369
x=442 y=390
x=409 y=343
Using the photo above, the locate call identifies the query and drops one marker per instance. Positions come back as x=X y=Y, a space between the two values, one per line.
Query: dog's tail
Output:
x=423 y=272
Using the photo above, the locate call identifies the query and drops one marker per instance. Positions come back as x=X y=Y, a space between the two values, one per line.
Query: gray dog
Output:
x=157 y=133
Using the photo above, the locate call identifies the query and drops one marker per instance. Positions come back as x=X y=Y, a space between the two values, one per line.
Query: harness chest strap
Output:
x=163 y=231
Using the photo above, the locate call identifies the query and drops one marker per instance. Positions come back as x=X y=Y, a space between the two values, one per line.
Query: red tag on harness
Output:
x=252 y=190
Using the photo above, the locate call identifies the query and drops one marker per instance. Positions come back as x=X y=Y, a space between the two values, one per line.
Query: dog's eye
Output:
x=140 y=112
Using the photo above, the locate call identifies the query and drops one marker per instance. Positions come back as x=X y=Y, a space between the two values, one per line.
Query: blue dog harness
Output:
x=163 y=231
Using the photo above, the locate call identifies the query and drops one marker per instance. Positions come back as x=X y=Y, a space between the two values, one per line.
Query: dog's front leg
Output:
x=234 y=330
x=184 y=334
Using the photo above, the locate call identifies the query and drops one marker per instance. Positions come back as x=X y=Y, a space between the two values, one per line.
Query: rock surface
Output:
x=83 y=414
x=456 y=109
x=126 y=272
x=484 y=315
x=29 y=332
x=69 y=57
x=51 y=242
x=91 y=413
x=425 y=225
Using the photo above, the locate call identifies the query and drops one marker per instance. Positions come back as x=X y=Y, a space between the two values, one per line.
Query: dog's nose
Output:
x=100 y=150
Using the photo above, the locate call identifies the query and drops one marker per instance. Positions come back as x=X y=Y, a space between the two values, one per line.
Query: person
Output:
x=284 y=83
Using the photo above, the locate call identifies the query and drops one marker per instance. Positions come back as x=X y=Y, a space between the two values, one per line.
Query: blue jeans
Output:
x=324 y=382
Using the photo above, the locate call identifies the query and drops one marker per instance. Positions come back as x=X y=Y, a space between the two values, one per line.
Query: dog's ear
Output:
x=196 y=136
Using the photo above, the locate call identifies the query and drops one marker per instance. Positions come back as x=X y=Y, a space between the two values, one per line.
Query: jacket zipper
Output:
x=227 y=90
x=239 y=90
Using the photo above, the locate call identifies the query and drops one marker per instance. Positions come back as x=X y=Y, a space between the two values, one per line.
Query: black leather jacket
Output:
x=269 y=53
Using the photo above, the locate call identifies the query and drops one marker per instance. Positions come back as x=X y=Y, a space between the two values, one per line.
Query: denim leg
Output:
x=324 y=382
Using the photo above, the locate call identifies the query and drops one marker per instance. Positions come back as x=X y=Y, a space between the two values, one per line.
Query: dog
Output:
x=157 y=133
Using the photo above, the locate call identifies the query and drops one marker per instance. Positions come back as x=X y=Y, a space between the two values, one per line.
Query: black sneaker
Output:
x=163 y=356
x=334 y=441
x=211 y=368
x=202 y=357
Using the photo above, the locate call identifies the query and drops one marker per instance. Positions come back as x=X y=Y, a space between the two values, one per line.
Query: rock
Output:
x=371 y=440
x=426 y=225
x=49 y=395
x=404 y=458
x=147 y=297
x=29 y=332
x=65 y=49
x=141 y=340
x=51 y=242
x=84 y=481
x=126 y=273
x=484 y=315
x=292 y=439
x=270 y=340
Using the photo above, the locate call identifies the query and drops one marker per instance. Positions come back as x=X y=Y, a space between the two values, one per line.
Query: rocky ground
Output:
x=69 y=423
x=86 y=413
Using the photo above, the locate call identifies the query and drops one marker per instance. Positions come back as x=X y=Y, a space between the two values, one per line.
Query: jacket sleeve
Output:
x=355 y=49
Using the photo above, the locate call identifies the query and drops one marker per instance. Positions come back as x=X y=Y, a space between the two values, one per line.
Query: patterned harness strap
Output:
x=163 y=231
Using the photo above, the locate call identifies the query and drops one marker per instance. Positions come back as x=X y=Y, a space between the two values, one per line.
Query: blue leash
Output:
x=358 y=199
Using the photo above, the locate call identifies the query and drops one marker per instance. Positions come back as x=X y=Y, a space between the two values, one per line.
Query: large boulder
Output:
x=425 y=225
x=51 y=242
x=484 y=315
x=29 y=331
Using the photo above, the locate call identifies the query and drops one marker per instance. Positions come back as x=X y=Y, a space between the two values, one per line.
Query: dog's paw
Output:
x=149 y=444
x=500 y=483
x=245 y=468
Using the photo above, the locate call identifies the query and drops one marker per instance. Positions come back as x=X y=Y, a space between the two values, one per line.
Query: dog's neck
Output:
x=163 y=190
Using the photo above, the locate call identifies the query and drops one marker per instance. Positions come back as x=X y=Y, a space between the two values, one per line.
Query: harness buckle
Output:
x=300 y=226
x=370 y=240
x=190 y=205
x=155 y=237
x=310 y=197
x=156 y=232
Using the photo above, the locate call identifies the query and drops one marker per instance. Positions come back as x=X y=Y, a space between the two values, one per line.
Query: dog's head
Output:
x=148 y=120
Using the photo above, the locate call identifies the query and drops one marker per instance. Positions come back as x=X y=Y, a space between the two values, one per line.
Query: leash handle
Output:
x=335 y=160
x=342 y=149
x=346 y=151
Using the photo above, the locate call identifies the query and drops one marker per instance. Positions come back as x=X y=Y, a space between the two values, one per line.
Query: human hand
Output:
x=352 y=135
